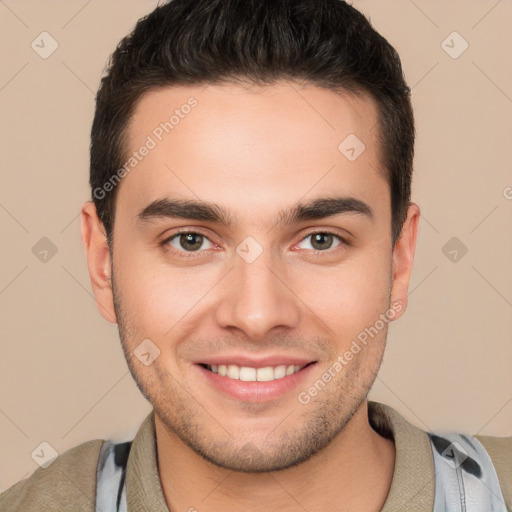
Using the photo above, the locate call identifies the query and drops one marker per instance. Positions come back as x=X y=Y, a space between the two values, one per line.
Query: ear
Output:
x=98 y=261
x=403 y=256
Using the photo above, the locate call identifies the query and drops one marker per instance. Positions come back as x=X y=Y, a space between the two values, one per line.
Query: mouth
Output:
x=252 y=374
x=255 y=384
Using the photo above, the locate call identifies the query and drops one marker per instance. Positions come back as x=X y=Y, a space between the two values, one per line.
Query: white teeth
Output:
x=265 y=374
x=248 y=374
x=233 y=371
x=280 y=371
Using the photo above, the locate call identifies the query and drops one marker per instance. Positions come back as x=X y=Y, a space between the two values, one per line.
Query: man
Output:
x=252 y=235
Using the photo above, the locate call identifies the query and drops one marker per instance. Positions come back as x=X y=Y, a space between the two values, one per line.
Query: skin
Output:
x=255 y=151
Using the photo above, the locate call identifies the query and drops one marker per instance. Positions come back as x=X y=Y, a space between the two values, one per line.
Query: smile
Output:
x=255 y=381
x=250 y=374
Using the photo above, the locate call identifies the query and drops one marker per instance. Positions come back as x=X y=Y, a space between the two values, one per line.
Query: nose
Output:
x=257 y=298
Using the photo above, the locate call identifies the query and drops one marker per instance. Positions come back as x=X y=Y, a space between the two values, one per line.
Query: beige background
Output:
x=63 y=376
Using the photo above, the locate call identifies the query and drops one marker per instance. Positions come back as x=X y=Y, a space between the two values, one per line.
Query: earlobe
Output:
x=98 y=261
x=403 y=258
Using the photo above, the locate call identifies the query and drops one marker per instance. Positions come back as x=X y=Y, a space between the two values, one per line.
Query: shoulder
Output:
x=500 y=451
x=69 y=483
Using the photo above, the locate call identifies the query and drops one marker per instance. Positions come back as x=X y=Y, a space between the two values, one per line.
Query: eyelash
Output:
x=194 y=254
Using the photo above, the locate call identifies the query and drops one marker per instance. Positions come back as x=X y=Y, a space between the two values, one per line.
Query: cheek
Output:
x=350 y=296
x=157 y=299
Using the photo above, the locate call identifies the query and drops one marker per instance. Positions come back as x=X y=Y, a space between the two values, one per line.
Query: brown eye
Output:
x=191 y=241
x=323 y=241
x=188 y=242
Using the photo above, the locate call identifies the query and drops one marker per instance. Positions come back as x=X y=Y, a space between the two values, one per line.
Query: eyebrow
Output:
x=320 y=208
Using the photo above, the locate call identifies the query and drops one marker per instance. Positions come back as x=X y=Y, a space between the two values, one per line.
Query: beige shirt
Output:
x=69 y=483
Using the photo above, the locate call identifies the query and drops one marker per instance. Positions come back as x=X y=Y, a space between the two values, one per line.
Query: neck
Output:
x=336 y=478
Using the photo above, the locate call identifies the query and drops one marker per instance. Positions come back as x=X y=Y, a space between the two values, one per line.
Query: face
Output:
x=277 y=271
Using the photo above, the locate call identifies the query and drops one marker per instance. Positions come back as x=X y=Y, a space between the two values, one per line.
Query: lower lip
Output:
x=256 y=391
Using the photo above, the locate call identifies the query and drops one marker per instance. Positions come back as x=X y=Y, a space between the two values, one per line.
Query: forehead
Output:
x=264 y=144
x=263 y=111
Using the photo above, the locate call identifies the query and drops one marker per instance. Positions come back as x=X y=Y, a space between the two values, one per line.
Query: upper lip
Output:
x=256 y=362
